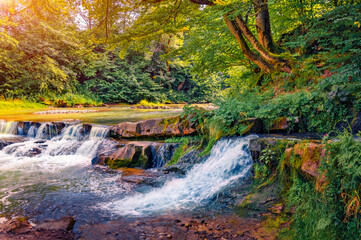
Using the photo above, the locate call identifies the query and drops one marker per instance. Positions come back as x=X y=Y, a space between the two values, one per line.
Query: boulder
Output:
x=284 y=124
x=163 y=127
x=306 y=156
x=64 y=223
x=143 y=154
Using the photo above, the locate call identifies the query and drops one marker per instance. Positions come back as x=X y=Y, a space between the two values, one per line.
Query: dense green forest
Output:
x=56 y=52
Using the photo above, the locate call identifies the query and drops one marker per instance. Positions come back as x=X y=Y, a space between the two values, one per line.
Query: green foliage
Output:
x=331 y=211
x=19 y=104
x=141 y=76
x=179 y=152
x=189 y=139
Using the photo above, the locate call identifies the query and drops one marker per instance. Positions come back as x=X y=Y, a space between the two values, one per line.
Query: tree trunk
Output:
x=263 y=25
x=271 y=58
x=237 y=33
x=263 y=46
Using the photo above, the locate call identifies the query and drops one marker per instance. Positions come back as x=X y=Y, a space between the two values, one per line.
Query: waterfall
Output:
x=228 y=162
x=163 y=154
x=99 y=132
x=32 y=131
x=73 y=132
x=8 y=127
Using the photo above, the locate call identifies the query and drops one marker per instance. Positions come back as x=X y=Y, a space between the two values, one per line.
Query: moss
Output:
x=179 y=152
x=119 y=163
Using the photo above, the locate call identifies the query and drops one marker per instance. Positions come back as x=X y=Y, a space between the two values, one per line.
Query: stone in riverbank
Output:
x=162 y=127
x=20 y=228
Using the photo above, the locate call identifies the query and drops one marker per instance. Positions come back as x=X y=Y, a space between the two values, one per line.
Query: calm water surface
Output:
x=103 y=116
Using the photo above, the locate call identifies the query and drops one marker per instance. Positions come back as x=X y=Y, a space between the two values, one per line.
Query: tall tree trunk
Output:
x=263 y=25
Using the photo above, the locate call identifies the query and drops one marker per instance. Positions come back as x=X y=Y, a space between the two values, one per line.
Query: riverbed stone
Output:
x=161 y=127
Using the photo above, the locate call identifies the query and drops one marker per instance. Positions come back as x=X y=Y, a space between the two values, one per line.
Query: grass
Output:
x=19 y=104
x=150 y=104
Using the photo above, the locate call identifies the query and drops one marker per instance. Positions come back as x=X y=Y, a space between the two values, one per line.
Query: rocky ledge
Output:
x=143 y=154
x=162 y=127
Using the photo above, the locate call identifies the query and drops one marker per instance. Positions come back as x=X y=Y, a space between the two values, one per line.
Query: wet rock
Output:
x=33 y=152
x=23 y=128
x=65 y=223
x=144 y=154
x=3 y=143
x=8 y=141
x=132 y=154
x=165 y=127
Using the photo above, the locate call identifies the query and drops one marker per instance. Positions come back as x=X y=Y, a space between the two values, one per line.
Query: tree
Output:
x=165 y=16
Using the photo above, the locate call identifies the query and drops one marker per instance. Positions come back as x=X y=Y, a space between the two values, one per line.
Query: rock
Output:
x=60 y=103
x=279 y=124
x=33 y=152
x=306 y=157
x=65 y=223
x=277 y=209
x=3 y=143
x=16 y=225
x=165 y=127
x=257 y=145
x=20 y=228
x=254 y=125
x=8 y=141
x=186 y=162
x=144 y=154
x=284 y=124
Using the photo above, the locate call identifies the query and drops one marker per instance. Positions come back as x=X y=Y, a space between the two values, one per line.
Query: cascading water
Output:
x=55 y=176
x=99 y=132
x=228 y=162
x=8 y=127
x=49 y=175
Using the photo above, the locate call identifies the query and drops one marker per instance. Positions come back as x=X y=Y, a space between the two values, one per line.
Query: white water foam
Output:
x=229 y=161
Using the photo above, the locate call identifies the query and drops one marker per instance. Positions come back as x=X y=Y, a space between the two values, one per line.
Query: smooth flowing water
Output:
x=103 y=116
x=49 y=174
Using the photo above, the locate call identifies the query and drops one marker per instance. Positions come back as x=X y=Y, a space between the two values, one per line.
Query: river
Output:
x=48 y=174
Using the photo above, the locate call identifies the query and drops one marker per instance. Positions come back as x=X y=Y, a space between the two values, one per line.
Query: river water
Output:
x=48 y=174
